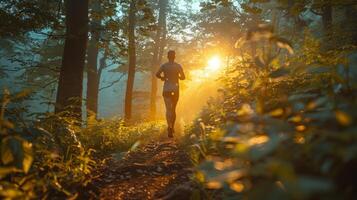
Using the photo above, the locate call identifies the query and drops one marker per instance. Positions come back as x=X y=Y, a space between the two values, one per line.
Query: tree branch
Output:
x=112 y=83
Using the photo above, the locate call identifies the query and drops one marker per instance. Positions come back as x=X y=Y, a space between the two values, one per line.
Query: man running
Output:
x=170 y=73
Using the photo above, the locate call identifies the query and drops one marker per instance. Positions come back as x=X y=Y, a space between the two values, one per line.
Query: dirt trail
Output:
x=158 y=170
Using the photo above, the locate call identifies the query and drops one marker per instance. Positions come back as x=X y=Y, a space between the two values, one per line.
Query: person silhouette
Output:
x=170 y=72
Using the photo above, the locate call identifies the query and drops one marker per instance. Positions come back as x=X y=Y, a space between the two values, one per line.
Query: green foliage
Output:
x=19 y=17
x=283 y=129
x=109 y=136
x=56 y=157
x=16 y=156
x=32 y=169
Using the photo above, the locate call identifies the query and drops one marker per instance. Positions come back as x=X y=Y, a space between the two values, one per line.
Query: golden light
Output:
x=257 y=140
x=237 y=186
x=213 y=67
x=214 y=64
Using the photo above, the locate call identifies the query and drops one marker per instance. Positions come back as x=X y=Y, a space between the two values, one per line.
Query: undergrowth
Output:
x=281 y=129
x=54 y=157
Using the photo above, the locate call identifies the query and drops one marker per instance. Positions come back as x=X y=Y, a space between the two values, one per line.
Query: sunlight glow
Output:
x=201 y=85
x=257 y=140
x=214 y=64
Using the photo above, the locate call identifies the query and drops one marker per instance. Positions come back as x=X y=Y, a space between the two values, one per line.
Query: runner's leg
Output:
x=174 y=98
x=168 y=105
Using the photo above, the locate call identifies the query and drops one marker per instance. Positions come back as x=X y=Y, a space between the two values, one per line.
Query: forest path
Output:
x=158 y=170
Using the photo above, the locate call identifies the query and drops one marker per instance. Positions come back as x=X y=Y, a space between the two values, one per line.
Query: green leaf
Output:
x=17 y=150
x=135 y=145
x=28 y=157
x=267 y=190
x=196 y=195
x=279 y=73
x=7 y=155
x=10 y=193
x=302 y=96
x=258 y=152
x=4 y=171
x=318 y=69
x=310 y=184
x=259 y=61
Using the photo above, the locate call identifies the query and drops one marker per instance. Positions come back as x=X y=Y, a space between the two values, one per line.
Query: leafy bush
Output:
x=16 y=157
x=42 y=160
x=108 y=136
x=54 y=156
x=283 y=129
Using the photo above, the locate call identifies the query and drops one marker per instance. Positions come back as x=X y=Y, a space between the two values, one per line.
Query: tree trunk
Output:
x=162 y=43
x=132 y=61
x=93 y=79
x=327 y=23
x=350 y=28
x=159 y=46
x=92 y=71
x=70 y=86
x=351 y=25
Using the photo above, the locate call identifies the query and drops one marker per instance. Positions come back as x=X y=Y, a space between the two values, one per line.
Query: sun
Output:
x=214 y=64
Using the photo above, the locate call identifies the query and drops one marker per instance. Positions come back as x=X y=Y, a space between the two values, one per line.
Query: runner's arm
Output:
x=158 y=74
x=181 y=74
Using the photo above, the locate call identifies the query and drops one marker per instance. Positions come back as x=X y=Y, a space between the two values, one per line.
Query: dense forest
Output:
x=267 y=110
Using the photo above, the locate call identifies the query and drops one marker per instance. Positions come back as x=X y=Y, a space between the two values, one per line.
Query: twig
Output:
x=112 y=83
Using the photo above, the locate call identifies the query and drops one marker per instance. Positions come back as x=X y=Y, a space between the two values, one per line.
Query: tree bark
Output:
x=70 y=86
x=93 y=79
x=159 y=45
x=351 y=26
x=327 y=23
x=92 y=66
x=162 y=43
x=327 y=17
x=132 y=61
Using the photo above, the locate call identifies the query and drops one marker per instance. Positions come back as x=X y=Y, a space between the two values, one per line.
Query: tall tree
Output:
x=93 y=72
x=132 y=60
x=18 y=17
x=326 y=17
x=106 y=38
x=70 y=86
x=351 y=16
x=159 y=46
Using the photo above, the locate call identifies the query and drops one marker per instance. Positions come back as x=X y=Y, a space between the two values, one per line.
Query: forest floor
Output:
x=157 y=170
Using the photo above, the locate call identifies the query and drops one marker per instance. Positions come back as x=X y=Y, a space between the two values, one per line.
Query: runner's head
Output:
x=171 y=55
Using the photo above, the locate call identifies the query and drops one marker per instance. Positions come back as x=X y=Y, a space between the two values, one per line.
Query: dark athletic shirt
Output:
x=172 y=72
